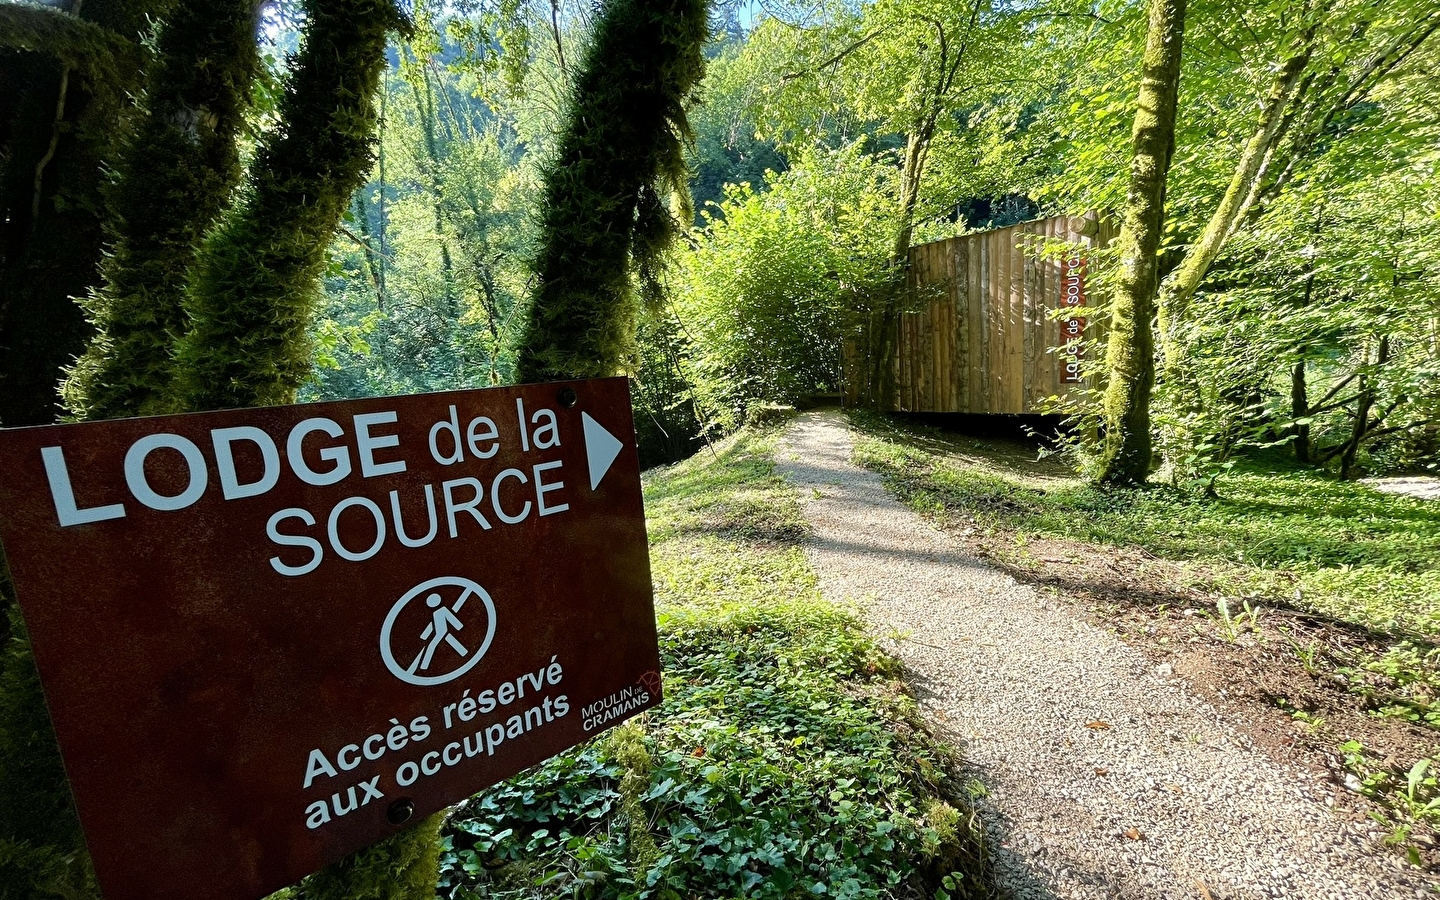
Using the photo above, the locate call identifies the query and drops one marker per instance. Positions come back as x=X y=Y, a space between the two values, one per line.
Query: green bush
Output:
x=779 y=278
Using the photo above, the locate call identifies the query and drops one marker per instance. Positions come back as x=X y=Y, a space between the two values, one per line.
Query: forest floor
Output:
x=1145 y=726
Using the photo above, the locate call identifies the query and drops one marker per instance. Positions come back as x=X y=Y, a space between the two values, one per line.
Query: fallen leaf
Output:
x=1098 y=724
x=1134 y=834
x=1100 y=771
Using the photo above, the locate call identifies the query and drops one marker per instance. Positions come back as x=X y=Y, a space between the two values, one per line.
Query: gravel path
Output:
x=1421 y=487
x=1105 y=778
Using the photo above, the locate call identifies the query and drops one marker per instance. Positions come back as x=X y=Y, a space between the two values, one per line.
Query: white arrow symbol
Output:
x=601 y=448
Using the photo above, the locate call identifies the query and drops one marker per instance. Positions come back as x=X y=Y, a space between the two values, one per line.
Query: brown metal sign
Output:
x=268 y=636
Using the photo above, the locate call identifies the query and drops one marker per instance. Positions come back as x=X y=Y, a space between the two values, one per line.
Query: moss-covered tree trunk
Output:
x=252 y=294
x=1180 y=381
x=254 y=285
x=173 y=178
x=80 y=66
x=249 y=288
x=1239 y=198
x=68 y=105
x=1130 y=355
x=604 y=211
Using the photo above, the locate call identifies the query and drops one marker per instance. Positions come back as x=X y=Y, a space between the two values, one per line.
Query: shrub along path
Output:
x=1105 y=778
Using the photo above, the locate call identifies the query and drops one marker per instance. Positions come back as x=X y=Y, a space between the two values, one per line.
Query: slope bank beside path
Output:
x=1103 y=777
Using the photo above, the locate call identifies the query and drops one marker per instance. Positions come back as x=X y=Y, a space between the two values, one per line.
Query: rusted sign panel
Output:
x=268 y=636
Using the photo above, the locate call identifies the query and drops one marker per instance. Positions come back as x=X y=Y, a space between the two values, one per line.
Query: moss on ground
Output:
x=401 y=867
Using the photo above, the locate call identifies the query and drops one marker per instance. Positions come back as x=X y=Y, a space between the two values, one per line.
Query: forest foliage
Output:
x=366 y=198
x=1296 y=265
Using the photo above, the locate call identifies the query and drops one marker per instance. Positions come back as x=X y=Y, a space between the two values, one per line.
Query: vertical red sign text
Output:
x=1072 y=327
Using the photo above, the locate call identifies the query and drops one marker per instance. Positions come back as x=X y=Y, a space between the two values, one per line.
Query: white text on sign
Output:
x=248 y=462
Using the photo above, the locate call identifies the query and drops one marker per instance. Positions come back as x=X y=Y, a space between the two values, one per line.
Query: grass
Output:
x=1277 y=535
x=1339 y=549
x=785 y=762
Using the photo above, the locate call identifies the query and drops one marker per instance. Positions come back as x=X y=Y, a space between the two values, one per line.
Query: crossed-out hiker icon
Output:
x=439 y=631
x=454 y=603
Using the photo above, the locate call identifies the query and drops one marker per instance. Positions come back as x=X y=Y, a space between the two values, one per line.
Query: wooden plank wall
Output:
x=976 y=335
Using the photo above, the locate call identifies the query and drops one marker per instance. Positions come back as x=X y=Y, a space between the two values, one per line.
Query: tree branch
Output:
x=1398 y=428
x=1324 y=407
x=1085 y=14
x=805 y=73
x=1182 y=283
x=107 y=60
x=1340 y=386
x=1375 y=69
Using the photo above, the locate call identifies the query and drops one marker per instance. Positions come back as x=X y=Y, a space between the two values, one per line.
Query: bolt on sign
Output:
x=270 y=637
x=1072 y=327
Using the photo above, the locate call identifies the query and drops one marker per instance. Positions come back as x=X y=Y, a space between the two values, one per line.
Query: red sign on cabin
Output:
x=1072 y=328
x=270 y=637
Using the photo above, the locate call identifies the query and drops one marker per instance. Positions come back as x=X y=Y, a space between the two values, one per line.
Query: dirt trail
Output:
x=1106 y=779
x=1421 y=487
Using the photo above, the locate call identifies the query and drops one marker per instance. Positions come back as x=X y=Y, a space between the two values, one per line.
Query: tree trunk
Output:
x=1180 y=287
x=885 y=330
x=1299 y=393
x=1299 y=409
x=50 y=251
x=603 y=217
x=174 y=177
x=1130 y=355
x=256 y=279
x=1178 y=290
x=252 y=298
x=1185 y=280
x=361 y=211
x=60 y=134
x=1364 y=403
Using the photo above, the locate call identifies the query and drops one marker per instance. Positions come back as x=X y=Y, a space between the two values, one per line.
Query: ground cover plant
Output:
x=786 y=761
x=1297 y=587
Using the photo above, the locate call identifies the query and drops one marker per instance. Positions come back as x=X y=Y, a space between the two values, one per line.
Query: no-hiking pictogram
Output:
x=442 y=636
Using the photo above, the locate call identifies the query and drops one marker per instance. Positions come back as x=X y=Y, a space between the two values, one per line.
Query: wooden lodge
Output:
x=977 y=335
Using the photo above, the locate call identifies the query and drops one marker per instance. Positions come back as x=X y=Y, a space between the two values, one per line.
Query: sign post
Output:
x=270 y=637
